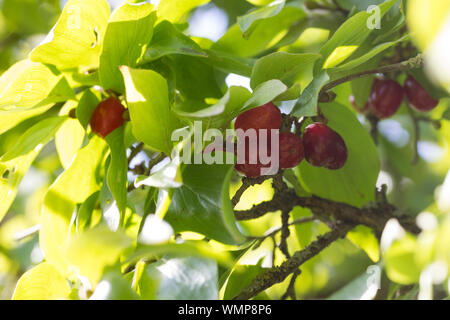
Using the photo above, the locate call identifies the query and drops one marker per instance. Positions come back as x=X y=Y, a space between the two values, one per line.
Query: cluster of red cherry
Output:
x=387 y=96
x=320 y=145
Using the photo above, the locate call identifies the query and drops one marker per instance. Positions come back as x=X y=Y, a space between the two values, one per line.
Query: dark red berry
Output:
x=291 y=150
x=267 y=116
x=418 y=96
x=251 y=170
x=385 y=98
x=107 y=117
x=324 y=147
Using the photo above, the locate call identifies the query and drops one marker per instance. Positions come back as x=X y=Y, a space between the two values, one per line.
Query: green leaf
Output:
x=175 y=10
x=63 y=195
x=88 y=102
x=446 y=114
x=222 y=112
x=361 y=5
x=118 y=168
x=169 y=176
x=264 y=35
x=264 y=93
x=169 y=40
x=240 y=278
x=307 y=103
x=85 y=212
x=200 y=249
x=359 y=287
x=94 y=250
x=39 y=134
x=76 y=39
x=245 y=22
x=29 y=84
x=203 y=204
x=188 y=278
x=42 y=282
x=229 y=63
x=11 y=175
x=9 y=119
x=29 y=17
x=114 y=286
x=304 y=232
x=401 y=265
x=348 y=38
x=282 y=66
x=355 y=182
x=368 y=55
x=148 y=102
x=69 y=137
x=365 y=238
x=188 y=68
x=129 y=31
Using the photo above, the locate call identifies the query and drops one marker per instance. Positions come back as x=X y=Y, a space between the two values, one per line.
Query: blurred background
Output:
x=422 y=188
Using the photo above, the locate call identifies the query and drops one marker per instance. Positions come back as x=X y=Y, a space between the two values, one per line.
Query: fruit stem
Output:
x=416 y=125
x=413 y=63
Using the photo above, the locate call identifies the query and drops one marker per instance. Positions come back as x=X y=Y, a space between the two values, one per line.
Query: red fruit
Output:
x=249 y=170
x=291 y=150
x=386 y=98
x=267 y=116
x=107 y=117
x=324 y=147
x=418 y=96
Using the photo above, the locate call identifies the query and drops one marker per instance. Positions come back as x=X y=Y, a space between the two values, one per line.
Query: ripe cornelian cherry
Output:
x=385 y=98
x=418 y=96
x=324 y=147
x=107 y=117
x=267 y=116
x=290 y=155
x=251 y=170
x=291 y=150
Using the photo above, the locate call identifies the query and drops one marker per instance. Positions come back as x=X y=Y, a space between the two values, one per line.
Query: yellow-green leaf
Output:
x=43 y=282
x=59 y=203
x=152 y=120
x=175 y=10
x=70 y=136
x=30 y=84
x=133 y=25
x=76 y=39
x=96 y=249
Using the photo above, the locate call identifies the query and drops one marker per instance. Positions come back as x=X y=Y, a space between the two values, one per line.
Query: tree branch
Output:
x=278 y=274
x=412 y=63
x=246 y=183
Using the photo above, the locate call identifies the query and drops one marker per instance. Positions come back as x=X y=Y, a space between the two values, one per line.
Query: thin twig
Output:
x=246 y=183
x=412 y=63
x=285 y=233
x=135 y=151
x=290 y=291
x=416 y=127
x=28 y=232
x=275 y=231
x=278 y=274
